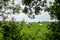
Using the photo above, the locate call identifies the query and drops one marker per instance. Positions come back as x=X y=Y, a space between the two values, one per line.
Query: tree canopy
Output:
x=54 y=11
x=10 y=5
x=32 y=7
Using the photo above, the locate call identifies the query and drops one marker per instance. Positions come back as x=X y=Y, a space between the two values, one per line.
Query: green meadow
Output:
x=28 y=31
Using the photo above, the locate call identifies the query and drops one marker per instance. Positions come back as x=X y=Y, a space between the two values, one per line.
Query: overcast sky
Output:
x=43 y=17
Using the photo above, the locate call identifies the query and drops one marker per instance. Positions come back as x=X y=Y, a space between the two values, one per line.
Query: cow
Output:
x=29 y=24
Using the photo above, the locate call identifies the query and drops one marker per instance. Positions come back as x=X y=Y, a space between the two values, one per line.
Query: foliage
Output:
x=10 y=31
x=26 y=2
x=54 y=34
x=25 y=10
x=37 y=10
x=10 y=5
x=54 y=11
x=23 y=31
x=33 y=6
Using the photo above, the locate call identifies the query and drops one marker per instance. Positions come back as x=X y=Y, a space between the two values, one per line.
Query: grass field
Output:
x=37 y=30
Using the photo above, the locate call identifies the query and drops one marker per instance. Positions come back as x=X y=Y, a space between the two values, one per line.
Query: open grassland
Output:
x=34 y=31
x=37 y=30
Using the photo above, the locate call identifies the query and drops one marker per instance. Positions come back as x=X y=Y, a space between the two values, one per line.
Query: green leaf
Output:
x=25 y=10
x=27 y=2
x=5 y=0
x=37 y=10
